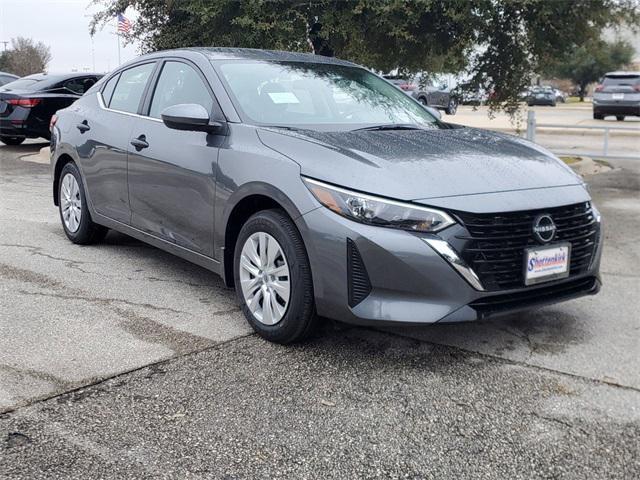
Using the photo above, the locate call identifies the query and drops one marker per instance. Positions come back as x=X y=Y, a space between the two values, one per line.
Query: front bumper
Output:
x=410 y=282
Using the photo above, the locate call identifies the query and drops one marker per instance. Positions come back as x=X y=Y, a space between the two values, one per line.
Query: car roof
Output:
x=621 y=73
x=223 y=53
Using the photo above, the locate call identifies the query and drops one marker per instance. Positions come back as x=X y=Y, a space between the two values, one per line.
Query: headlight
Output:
x=378 y=211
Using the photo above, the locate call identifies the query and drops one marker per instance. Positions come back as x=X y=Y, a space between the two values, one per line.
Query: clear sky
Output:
x=63 y=25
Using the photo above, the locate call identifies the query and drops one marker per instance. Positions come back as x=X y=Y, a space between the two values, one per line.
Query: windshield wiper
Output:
x=390 y=126
x=284 y=127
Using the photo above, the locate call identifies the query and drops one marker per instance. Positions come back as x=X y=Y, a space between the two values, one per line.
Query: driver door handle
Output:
x=140 y=142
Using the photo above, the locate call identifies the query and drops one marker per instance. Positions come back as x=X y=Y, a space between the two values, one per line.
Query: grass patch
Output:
x=569 y=160
x=577 y=100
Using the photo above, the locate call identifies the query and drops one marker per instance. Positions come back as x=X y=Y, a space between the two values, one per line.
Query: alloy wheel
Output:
x=71 y=203
x=265 y=278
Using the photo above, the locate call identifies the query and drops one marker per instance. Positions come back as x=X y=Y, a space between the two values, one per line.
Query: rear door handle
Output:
x=83 y=127
x=140 y=142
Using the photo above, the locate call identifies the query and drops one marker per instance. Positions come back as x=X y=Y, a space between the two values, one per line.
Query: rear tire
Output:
x=598 y=116
x=296 y=318
x=74 y=213
x=11 y=140
x=620 y=118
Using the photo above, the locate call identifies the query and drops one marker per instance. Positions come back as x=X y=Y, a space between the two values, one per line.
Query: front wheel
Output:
x=273 y=278
x=620 y=118
x=74 y=213
x=452 y=107
x=11 y=140
x=598 y=116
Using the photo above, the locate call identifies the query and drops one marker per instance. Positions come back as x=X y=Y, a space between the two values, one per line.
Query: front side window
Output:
x=179 y=83
x=313 y=94
x=130 y=88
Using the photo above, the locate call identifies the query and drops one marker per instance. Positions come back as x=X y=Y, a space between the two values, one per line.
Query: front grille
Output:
x=358 y=280
x=495 y=243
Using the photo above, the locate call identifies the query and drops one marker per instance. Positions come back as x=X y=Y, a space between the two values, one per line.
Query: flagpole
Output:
x=118 y=38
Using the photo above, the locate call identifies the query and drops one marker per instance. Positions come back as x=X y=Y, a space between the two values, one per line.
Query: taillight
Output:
x=636 y=88
x=52 y=122
x=599 y=88
x=407 y=87
x=24 y=102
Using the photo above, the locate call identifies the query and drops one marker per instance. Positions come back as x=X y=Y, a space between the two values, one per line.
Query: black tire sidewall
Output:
x=84 y=234
x=300 y=315
x=11 y=141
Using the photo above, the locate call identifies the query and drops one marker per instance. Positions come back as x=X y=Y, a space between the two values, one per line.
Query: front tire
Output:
x=273 y=278
x=598 y=116
x=452 y=107
x=74 y=213
x=620 y=118
x=11 y=140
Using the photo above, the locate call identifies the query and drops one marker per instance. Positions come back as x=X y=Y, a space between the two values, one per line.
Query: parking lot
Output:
x=120 y=359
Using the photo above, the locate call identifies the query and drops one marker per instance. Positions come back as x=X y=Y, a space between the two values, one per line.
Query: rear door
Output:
x=172 y=180
x=104 y=133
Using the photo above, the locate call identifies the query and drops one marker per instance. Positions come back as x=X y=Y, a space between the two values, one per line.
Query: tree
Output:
x=589 y=62
x=500 y=43
x=26 y=57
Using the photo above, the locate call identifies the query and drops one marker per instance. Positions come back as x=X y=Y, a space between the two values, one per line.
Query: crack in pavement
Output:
x=34 y=250
x=37 y=374
x=560 y=422
x=81 y=386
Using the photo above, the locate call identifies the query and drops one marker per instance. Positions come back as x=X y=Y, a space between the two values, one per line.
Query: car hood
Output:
x=421 y=164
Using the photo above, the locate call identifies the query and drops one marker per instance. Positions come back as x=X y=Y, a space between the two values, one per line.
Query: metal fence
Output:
x=604 y=153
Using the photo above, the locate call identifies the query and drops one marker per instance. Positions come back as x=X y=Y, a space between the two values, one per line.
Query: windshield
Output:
x=308 y=95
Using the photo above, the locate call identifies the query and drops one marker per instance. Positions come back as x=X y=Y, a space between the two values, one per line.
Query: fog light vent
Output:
x=358 y=280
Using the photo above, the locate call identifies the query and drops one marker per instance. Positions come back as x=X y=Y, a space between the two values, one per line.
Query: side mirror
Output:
x=433 y=111
x=190 y=117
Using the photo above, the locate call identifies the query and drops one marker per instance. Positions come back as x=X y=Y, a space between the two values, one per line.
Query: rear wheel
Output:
x=74 y=213
x=273 y=278
x=598 y=116
x=423 y=101
x=620 y=118
x=11 y=140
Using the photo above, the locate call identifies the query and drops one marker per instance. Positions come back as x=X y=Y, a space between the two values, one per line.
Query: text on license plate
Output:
x=546 y=263
x=617 y=96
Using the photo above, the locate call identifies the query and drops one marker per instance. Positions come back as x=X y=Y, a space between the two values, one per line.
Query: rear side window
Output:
x=179 y=83
x=130 y=88
x=79 y=85
x=622 y=80
x=109 y=87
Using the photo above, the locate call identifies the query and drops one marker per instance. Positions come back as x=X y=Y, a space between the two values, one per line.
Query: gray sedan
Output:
x=317 y=189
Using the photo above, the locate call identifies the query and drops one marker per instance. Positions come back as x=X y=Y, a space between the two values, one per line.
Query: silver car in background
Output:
x=617 y=94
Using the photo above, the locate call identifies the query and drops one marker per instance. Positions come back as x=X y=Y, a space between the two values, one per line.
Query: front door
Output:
x=172 y=172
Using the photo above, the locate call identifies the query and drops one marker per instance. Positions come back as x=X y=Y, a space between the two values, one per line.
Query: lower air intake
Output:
x=357 y=277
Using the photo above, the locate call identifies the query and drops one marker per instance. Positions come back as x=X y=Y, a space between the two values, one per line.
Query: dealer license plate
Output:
x=543 y=264
x=617 y=96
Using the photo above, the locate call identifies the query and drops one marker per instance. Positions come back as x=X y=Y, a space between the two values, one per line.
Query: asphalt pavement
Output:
x=120 y=361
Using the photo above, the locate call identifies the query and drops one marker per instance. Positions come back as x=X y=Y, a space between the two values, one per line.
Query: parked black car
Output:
x=7 y=78
x=427 y=93
x=27 y=104
x=542 y=96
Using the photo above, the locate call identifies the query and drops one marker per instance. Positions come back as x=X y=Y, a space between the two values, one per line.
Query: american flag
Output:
x=124 y=25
